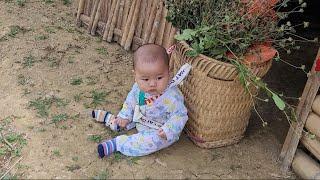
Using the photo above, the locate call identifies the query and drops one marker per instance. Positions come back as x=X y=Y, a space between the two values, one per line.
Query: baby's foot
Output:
x=107 y=118
x=107 y=148
x=101 y=115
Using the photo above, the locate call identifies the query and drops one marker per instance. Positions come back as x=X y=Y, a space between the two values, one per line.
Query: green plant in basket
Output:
x=240 y=32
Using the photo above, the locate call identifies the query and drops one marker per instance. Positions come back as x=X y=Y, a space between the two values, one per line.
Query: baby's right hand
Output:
x=122 y=122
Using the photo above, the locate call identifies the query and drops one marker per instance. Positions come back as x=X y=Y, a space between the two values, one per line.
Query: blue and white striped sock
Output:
x=101 y=116
x=107 y=148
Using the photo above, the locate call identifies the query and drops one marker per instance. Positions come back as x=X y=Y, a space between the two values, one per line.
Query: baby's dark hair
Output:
x=150 y=53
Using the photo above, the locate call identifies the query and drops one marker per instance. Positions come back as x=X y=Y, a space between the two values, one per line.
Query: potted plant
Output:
x=230 y=44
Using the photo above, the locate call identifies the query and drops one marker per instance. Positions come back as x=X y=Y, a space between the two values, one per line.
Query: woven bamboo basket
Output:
x=218 y=106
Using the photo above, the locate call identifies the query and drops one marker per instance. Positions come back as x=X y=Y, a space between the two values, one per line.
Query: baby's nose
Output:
x=152 y=83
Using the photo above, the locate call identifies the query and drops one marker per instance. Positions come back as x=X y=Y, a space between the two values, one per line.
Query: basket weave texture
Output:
x=218 y=106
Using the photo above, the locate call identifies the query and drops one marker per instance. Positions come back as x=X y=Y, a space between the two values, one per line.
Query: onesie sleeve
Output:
x=128 y=106
x=177 y=118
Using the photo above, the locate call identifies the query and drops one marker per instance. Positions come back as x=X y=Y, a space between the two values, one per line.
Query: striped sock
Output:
x=100 y=115
x=107 y=148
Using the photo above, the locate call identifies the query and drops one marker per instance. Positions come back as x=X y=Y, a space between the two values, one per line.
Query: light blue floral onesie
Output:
x=168 y=111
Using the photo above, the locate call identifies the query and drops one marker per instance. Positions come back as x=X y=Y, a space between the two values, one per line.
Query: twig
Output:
x=10 y=168
x=5 y=140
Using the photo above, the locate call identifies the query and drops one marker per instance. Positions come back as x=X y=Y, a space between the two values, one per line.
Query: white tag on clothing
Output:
x=181 y=74
x=138 y=117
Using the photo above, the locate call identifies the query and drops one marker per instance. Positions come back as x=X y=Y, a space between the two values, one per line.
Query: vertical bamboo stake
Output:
x=113 y=22
x=171 y=37
x=150 y=22
x=133 y=25
x=125 y=14
x=141 y=18
x=162 y=26
x=156 y=23
x=166 y=35
x=96 y=19
x=128 y=24
x=119 y=20
x=93 y=14
x=80 y=11
x=146 y=19
x=107 y=27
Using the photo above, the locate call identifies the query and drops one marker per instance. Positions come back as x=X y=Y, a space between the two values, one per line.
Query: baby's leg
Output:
x=142 y=143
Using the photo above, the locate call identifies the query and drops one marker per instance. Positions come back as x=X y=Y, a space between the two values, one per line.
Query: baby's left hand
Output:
x=162 y=134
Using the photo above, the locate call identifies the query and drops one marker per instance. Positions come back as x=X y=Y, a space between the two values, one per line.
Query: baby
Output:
x=154 y=106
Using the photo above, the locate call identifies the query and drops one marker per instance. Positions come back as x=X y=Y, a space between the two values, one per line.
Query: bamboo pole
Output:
x=162 y=26
x=305 y=167
x=316 y=105
x=313 y=124
x=141 y=18
x=126 y=9
x=171 y=37
x=152 y=15
x=107 y=28
x=79 y=12
x=156 y=23
x=113 y=22
x=129 y=39
x=96 y=19
x=146 y=19
x=93 y=14
x=128 y=24
x=313 y=145
x=304 y=107
x=166 y=34
x=119 y=20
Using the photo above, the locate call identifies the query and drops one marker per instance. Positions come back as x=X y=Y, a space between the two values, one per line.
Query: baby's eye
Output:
x=145 y=79
x=160 y=77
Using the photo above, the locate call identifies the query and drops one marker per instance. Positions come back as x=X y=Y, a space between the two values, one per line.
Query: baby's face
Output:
x=152 y=77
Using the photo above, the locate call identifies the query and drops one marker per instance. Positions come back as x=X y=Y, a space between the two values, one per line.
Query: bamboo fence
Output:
x=131 y=23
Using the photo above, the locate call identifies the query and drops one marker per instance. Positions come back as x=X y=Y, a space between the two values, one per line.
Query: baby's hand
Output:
x=162 y=134
x=122 y=122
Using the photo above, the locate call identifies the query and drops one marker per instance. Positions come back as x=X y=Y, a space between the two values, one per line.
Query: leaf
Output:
x=278 y=101
x=186 y=35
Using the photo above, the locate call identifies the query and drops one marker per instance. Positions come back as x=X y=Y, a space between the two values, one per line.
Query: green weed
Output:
x=28 y=61
x=102 y=51
x=14 y=30
x=132 y=160
x=77 y=97
x=59 y=117
x=57 y=153
x=50 y=30
x=118 y=156
x=102 y=175
x=48 y=1
x=66 y=2
x=21 y=3
x=98 y=98
x=95 y=138
x=71 y=59
x=73 y=167
x=53 y=62
x=76 y=81
x=60 y=102
x=41 y=37
x=75 y=158
x=42 y=105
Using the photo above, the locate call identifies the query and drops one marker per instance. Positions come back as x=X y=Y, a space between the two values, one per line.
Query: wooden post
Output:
x=156 y=23
x=303 y=109
x=166 y=35
x=113 y=22
x=129 y=39
x=96 y=19
x=127 y=6
x=313 y=145
x=306 y=167
x=162 y=27
x=142 y=16
x=79 y=12
x=151 y=17
x=146 y=19
x=93 y=14
x=119 y=20
x=110 y=16
x=128 y=23
x=171 y=37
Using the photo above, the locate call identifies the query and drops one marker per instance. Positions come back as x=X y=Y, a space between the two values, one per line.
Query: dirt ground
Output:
x=51 y=73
